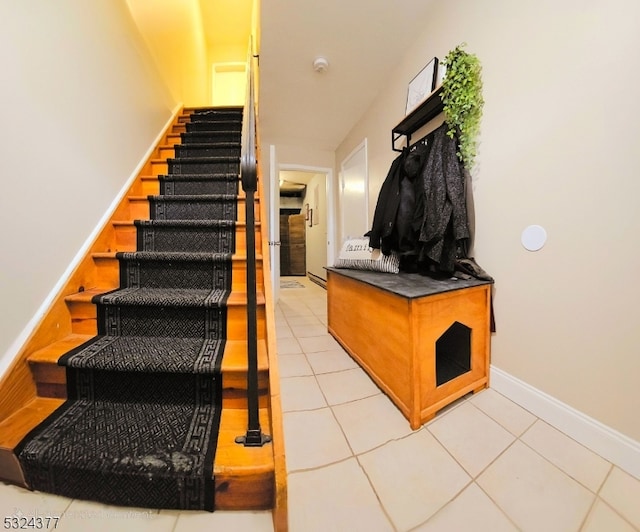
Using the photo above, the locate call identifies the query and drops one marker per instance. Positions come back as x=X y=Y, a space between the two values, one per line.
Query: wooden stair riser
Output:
x=50 y=378
x=107 y=273
x=177 y=128
x=126 y=237
x=236 y=398
x=150 y=186
x=247 y=479
x=139 y=209
x=166 y=152
x=84 y=317
x=169 y=151
x=51 y=382
x=173 y=139
x=161 y=167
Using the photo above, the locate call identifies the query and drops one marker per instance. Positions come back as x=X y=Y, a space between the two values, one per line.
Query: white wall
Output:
x=559 y=147
x=174 y=33
x=317 y=233
x=297 y=155
x=82 y=102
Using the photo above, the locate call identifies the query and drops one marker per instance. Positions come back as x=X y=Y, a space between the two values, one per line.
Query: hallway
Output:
x=354 y=464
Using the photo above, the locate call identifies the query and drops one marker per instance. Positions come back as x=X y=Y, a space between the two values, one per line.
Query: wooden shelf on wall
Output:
x=417 y=118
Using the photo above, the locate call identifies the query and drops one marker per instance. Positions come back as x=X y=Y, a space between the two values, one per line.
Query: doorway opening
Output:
x=228 y=83
x=306 y=223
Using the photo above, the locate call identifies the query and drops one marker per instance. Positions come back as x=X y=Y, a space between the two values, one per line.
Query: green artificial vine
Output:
x=462 y=99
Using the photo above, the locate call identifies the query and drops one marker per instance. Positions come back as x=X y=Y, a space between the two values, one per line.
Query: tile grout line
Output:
x=353 y=454
x=474 y=478
x=382 y=507
x=562 y=470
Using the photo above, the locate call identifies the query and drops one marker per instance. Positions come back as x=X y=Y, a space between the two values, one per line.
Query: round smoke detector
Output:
x=320 y=64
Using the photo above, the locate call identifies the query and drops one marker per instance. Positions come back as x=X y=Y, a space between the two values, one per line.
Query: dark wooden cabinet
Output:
x=293 y=249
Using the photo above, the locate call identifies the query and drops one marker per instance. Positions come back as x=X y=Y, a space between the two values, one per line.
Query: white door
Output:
x=354 y=194
x=274 y=221
x=229 y=82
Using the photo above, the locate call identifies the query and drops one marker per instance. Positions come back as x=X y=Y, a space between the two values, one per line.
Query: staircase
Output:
x=161 y=298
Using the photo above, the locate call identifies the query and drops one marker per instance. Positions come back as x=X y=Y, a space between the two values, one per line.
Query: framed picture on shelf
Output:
x=422 y=85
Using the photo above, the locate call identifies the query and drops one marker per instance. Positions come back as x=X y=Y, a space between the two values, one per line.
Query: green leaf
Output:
x=463 y=101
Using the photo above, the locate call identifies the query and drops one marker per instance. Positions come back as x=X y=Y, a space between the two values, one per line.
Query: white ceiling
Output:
x=294 y=180
x=361 y=39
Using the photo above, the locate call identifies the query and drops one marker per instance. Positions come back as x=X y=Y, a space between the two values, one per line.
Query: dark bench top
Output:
x=409 y=285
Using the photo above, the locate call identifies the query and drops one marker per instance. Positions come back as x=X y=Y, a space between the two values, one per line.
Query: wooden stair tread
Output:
x=235 y=356
x=51 y=378
x=240 y=198
x=146 y=197
x=236 y=298
x=235 y=257
x=52 y=352
x=159 y=160
x=129 y=223
x=149 y=177
x=233 y=456
x=84 y=296
x=17 y=426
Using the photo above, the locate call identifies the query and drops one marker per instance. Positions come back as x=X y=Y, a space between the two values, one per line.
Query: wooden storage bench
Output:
x=425 y=342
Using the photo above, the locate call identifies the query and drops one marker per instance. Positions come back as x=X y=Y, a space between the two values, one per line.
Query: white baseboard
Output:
x=612 y=445
x=16 y=346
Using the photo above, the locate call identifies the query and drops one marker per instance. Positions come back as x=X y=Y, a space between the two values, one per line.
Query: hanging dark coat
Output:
x=445 y=224
x=382 y=235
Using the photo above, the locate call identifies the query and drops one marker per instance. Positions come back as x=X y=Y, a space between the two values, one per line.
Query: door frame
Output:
x=274 y=222
x=331 y=218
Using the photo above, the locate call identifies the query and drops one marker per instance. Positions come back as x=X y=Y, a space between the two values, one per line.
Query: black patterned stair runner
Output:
x=139 y=427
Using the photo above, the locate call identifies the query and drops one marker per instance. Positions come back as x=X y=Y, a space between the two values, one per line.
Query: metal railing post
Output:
x=254 y=436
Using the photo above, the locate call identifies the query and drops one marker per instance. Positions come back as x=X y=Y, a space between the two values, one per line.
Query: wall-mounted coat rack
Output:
x=417 y=118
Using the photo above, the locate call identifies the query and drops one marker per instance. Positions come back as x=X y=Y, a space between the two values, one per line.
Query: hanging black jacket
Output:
x=382 y=235
x=445 y=225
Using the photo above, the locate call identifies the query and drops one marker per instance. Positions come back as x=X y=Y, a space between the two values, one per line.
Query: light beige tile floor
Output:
x=483 y=464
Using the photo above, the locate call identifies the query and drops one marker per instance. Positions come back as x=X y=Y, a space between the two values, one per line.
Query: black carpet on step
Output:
x=140 y=425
